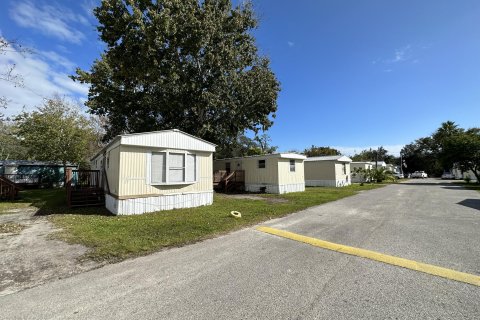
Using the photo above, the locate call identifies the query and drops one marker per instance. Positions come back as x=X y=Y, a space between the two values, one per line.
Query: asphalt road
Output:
x=253 y=275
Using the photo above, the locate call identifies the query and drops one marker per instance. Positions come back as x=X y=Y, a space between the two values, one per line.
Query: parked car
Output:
x=448 y=175
x=398 y=175
x=419 y=175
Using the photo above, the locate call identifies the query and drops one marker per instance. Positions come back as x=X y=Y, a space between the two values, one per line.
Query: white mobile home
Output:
x=153 y=171
x=459 y=175
x=356 y=165
x=328 y=171
x=271 y=173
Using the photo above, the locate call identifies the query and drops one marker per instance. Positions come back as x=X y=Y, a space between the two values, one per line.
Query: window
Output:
x=176 y=167
x=261 y=163
x=173 y=168
x=159 y=166
x=344 y=168
x=292 y=165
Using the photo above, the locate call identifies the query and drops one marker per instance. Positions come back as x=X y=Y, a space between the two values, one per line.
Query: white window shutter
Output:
x=158 y=167
x=148 y=177
x=191 y=168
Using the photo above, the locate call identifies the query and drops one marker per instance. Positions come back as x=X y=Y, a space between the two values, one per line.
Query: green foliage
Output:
x=371 y=155
x=374 y=175
x=57 y=131
x=191 y=65
x=421 y=155
x=245 y=146
x=315 y=151
x=463 y=149
x=11 y=147
x=448 y=146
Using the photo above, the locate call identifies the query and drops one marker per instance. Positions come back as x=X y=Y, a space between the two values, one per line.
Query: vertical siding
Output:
x=158 y=203
x=339 y=175
x=256 y=175
x=285 y=176
x=319 y=170
x=253 y=174
x=133 y=173
x=112 y=169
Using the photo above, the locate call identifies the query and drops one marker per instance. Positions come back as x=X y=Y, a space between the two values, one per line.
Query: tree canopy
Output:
x=57 y=131
x=315 y=151
x=11 y=147
x=191 y=65
x=245 y=146
x=447 y=147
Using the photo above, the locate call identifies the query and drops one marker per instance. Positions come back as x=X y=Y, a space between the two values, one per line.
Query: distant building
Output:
x=270 y=173
x=34 y=172
x=328 y=171
x=357 y=165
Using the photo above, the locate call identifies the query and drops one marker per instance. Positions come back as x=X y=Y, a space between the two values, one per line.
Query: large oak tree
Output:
x=186 y=64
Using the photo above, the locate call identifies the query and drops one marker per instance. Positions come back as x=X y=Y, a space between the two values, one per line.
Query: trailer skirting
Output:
x=272 y=188
x=327 y=183
x=157 y=203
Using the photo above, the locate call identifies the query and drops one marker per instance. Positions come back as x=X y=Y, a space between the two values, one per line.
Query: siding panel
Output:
x=133 y=173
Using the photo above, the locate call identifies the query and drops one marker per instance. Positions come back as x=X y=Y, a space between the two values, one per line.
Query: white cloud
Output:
x=350 y=151
x=50 y=20
x=42 y=77
x=290 y=43
x=88 y=6
x=57 y=59
x=403 y=54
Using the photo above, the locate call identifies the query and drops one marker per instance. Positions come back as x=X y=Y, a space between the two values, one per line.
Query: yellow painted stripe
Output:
x=396 y=261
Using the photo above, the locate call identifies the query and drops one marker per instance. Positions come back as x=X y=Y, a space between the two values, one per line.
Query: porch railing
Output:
x=23 y=179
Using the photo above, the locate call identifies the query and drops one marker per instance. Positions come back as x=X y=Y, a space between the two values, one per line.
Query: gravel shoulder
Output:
x=30 y=258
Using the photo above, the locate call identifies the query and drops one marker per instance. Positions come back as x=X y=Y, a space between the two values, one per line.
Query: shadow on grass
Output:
x=50 y=201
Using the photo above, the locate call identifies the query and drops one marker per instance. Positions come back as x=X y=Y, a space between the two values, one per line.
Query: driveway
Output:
x=29 y=258
x=253 y=275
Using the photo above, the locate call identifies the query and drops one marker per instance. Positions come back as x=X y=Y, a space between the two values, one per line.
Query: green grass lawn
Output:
x=114 y=238
x=38 y=198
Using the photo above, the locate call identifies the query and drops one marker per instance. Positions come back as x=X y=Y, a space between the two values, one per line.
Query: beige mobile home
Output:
x=329 y=171
x=153 y=171
x=271 y=173
x=356 y=165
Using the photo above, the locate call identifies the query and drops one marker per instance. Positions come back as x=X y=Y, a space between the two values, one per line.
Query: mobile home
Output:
x=153 y=171
x=328 y=171
x=271 y=173
x=356 y=165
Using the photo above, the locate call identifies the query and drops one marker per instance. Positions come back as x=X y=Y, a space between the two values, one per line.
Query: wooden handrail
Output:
x=8 y=189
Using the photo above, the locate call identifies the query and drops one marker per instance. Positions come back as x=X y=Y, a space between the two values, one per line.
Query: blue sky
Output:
x=354 y=74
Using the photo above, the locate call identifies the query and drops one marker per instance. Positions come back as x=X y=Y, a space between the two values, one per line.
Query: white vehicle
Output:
x=448 y=175
x=419 y=175
x=398 y=175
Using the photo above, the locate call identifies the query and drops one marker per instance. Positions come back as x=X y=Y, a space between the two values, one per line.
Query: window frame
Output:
x=264 y=164
x=167 y=168
x=292 y=162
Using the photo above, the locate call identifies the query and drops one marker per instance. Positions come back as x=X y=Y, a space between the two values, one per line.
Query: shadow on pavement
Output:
x=471 y=203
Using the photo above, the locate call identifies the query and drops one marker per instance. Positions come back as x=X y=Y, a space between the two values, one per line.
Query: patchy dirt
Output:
x=255 y=197
x=29 y=258
x=11 y=227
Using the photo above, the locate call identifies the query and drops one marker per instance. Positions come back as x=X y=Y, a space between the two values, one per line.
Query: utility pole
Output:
x=401 y=164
